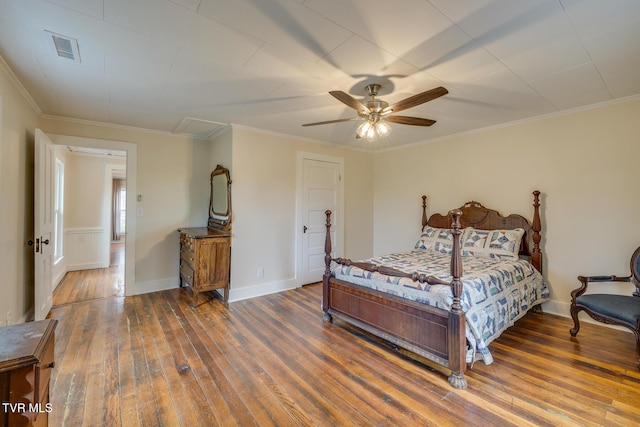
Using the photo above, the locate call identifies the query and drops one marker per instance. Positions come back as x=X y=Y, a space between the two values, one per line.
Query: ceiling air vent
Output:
x=199 y=128
x=63 y=46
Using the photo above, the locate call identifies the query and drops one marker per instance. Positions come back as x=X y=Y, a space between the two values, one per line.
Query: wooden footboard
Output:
x=430 y=332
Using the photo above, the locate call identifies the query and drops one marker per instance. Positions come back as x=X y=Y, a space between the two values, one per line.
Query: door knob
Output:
x=304 y=229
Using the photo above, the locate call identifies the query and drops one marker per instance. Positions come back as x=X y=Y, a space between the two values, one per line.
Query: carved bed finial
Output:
x=473 y=204
x=536 y=254
x=424 y=212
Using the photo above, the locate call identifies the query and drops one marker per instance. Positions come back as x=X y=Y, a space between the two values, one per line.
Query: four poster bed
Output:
x=421 y=301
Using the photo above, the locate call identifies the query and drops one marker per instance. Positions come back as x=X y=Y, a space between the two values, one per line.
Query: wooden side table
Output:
x=205 y=257
x=26 y=361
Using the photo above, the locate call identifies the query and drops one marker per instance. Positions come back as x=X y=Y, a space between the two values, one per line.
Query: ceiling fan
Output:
x=376 y=113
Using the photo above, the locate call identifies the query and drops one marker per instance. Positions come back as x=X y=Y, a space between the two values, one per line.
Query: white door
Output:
x=44 y=161
x=321 y=188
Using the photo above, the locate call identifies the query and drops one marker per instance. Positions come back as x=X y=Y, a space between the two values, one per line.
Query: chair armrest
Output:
x=585 y=280
x=603 y=278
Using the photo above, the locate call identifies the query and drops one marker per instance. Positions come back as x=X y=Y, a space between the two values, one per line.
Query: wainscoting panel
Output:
x=85 y=248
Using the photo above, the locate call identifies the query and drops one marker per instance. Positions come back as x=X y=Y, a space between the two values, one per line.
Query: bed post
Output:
x=457 y=323
x=424 y=212
x=327 y=269
x=536 y=255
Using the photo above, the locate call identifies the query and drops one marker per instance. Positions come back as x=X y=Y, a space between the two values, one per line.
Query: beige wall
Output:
x=584 y=163
x=172 y=178
x=264 y=205
x=17 y=125
x=84 y=184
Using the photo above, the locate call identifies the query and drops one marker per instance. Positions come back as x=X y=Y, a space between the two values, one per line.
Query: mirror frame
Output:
x=216 y=220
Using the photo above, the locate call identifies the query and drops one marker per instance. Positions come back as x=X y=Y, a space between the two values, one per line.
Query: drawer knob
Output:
x=50 y=365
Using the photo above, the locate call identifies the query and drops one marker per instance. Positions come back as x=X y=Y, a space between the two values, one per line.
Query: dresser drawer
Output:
x=187 y=242
x=186 y=272
x=188 y=257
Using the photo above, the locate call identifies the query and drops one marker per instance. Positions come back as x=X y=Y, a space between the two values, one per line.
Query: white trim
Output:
x=58 y=278
x=262 y=289
x=84 y=230
x=513 y=123
x=299 y=138
x=157 y=285
x=108 y=126
x=338 y=245
x=16 y=82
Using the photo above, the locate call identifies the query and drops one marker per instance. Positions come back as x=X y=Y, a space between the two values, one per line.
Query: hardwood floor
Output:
x=96 y=283
x=153 y=360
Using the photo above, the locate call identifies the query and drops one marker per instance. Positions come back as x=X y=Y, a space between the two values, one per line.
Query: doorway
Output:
x=90 y=263
x=121 y=256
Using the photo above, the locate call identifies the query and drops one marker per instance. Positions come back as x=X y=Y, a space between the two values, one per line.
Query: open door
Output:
x=44 y=163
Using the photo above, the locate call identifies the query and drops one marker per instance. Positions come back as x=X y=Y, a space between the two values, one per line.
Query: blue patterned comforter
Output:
x=496 y=293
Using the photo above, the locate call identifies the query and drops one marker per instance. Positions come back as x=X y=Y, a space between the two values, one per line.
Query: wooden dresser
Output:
x=205 y=257
x=26 y=361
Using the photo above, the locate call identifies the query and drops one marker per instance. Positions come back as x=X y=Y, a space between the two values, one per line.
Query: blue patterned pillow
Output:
x=492 y=243
x=436 y=240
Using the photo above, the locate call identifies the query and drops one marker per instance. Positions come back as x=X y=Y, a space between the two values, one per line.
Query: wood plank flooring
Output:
x=96 y=283
x=271 y=361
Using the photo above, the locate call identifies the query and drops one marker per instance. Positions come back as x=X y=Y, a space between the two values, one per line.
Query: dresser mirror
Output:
x=220 y=199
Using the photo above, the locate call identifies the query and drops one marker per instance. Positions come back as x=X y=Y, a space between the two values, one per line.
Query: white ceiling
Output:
x=192 y=66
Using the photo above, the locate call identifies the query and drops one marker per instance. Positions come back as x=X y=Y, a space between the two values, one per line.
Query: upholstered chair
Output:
x=622 y=310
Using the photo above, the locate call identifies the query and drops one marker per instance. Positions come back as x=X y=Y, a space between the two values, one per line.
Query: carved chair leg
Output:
x=576 y=322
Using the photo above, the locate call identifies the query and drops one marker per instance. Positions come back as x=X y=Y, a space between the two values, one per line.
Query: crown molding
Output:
x=18 y=85
x=555 y=114
x=111 y=125
x=299 y=138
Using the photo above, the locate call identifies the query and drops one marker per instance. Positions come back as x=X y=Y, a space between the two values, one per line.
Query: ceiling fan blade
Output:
x=349 y=100
x=406 y=120
x=332 y=121
x=418 y=99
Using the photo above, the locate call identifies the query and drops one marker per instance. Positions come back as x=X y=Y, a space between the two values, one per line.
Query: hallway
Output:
x=98 y=283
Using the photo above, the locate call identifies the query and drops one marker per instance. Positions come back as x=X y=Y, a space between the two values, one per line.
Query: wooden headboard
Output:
x=477 y=216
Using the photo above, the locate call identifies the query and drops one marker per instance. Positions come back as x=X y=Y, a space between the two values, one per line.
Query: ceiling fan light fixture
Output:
x=364 y=128
x=383 y=128
x=371 y=129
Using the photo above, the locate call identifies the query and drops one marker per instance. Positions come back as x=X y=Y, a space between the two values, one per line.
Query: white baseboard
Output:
x=58 y=278
x=155 y=285
x=234 y=294
x=559 y=308
x=261 y=289
x=86 y=266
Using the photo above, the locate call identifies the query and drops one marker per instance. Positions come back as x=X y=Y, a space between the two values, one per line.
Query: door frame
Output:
x=130 y=240
x=337 y=246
